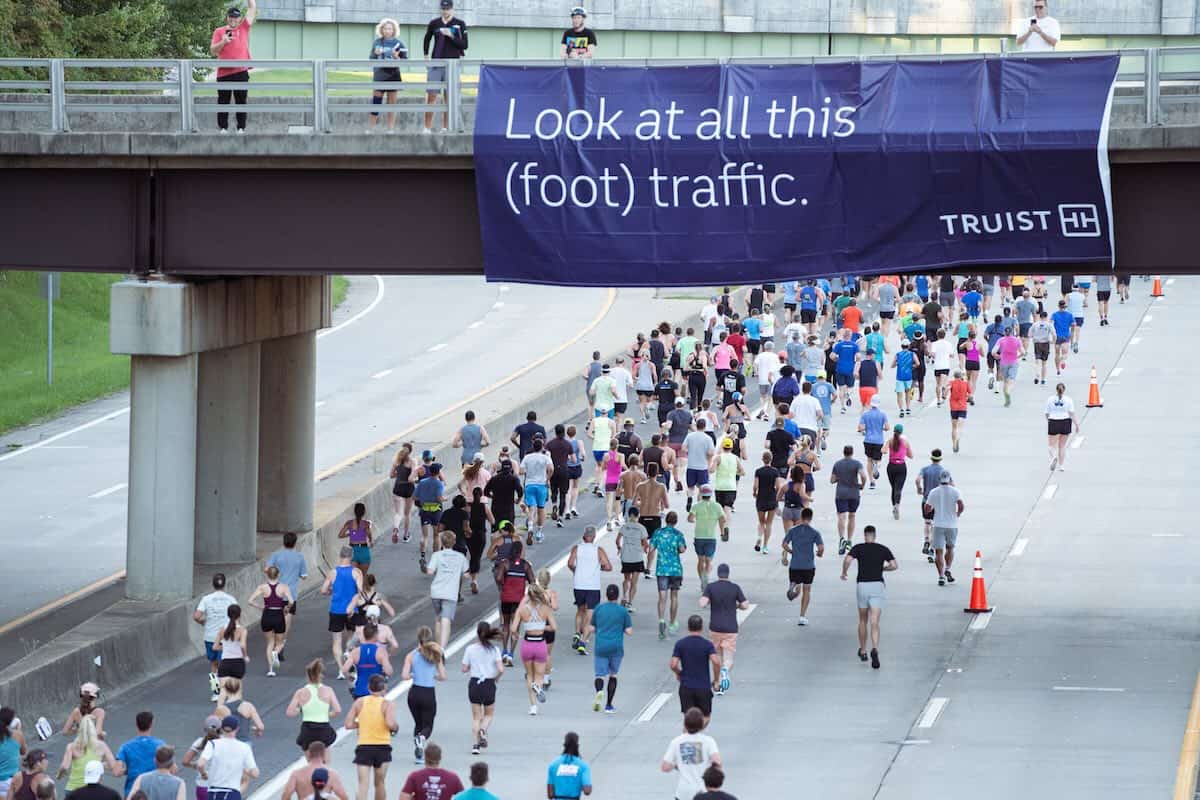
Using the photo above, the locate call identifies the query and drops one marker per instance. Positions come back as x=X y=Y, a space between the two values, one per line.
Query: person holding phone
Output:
x=386 y=47
x=232 y=41
x=448 y=35
x=1040 y=33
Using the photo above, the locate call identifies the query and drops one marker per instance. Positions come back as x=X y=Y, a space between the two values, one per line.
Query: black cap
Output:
x=233 y=11
x=447 y=4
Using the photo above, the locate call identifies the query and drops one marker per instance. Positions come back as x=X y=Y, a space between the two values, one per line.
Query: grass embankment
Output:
x=84 y=369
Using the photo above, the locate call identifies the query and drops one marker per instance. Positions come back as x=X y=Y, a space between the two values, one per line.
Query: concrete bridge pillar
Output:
x=198 y=352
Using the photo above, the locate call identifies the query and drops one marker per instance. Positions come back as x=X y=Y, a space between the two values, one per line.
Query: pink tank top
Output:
x=896 y=454
x=612 y=472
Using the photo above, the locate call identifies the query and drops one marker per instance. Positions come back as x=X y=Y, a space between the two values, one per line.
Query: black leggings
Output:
x=897 y=474
x=238 y=95
x=422 y=704
x=560 y=487
x=696 y=383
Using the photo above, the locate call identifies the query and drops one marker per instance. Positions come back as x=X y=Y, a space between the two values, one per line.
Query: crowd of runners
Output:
x=797 y=355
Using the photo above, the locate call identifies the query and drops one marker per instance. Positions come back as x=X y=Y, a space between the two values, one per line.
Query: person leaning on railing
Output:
x=386 y=47
x=578 y=41
x=448 y=34
x=232 y=41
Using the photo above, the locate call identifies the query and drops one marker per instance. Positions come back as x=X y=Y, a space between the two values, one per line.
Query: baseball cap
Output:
x=447 y=4
x=706 y=489
x=427 y=455
x=233 y=11
x=372 y=611
x=212 y=722
x=478 y=458
x=319 y=775
x=89 y=688
x=678 y=401
x=435 y=468
x=820 y=373
x=936 y=455
x=737 y=395
x=945 y=477
x=727 y=443
x=899 y=428
x=605 y=369
x=230 y=723
x=578 y=11
x=93 y=772
x=628 y=422
x=874 y=400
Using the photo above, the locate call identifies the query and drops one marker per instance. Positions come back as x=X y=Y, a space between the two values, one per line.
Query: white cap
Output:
x=372 y=611
x=93 y=772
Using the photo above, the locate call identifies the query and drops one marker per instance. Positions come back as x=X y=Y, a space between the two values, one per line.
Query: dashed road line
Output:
x=1077 y=442
x=933 y=710
x=1106 y=689
x=383 y=373
x=653 y=707
x=108 y=491
x=1018 y=548
x=1049 y=492
x=438 y=346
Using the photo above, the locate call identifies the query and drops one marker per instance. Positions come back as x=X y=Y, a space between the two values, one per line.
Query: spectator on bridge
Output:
x=386 y=47
x=1041 y=33
x=578 y=41
x=448 y=34
x=232 y=41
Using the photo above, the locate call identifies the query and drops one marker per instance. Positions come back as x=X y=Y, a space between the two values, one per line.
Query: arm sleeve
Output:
x=427 y=39
x=462 y=35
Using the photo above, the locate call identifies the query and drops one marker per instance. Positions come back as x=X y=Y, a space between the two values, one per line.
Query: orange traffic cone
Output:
x=1094 y=392
x=1157 y=290
x=979 y=604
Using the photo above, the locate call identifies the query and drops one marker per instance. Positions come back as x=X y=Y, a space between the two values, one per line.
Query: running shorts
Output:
x=372 y=755
x=802 y=576
x=481 y=692
x=705 y=548
x=273 y=621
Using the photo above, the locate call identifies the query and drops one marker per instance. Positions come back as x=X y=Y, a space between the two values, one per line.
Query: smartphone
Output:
x=1033 y=21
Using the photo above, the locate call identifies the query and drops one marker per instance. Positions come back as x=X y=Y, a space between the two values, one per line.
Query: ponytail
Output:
x=430 y=650
x=895 y=439
x=235 y=613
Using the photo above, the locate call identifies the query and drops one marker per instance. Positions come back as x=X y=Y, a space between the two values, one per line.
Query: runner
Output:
x=1027 y=312
x=315 y=704
x=1103 y=293
x=431 y=782
x=766 y=499
x=212 y=730
x=651 y=498
x=575 y=463
x=960 y=396
x=1076 y=303
x=483 y=662
x=872 y=426
x=543 y=580
x=231 y=647
x=919 y=347
x=367 y=660
x=692 y=754
x=632 y=543
x=873 y=560
x=767 y=369
x=161 y=784
x=503 y=491
x=897 y=450
x=471 y=438
x=524 y=434
x=714 y=779
x=943 y=353
x=228 y=764
x=726 y=469
x=293 y=568
x=590 y=373
x=342 y=585
x=424 y=665
x=668 y=544
x=697 y=451
x=631 y=478
x=430 y=493
x=824 y=392
x=798 y=556
x=707 y=515
x=945 y=502
x=233 y=703
x=903 y=363
x=568 y=776
x=610 y=624
x=887 y=295
x=212 y=613
x=513 y=575
x=812 y=299
x=586 y=561
x=972 y=354
x=538 y=618
x=276 y=598
x=850 y=477
x=845 y=355
x=667 y=391
x=1061 y=421
x=361 y=536
x=316 y=780
x=86 y=748
x=1041 y=333
x=374 y=717
x=736 y=415
x=1008 y=352
x=622 y=382
x=1123 y=286
x=692 y=660
x=1064 y=332
x=537 y=468
x=609 y=466
x=724 y=598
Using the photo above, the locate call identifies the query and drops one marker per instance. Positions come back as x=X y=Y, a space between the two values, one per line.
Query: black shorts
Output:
x=789 y=307
x=236 y=667
x=887 y=314
x=1041 y=351
x=507 y=609
x=937 y=373
x=873 y=451
x=372 y=755
x=1123 y=280
x=926 y=513
x=804 y=576
x=1055 y=427
x=753 y=346
x=338 y=622
x=808 y=315
x=574 y=471
x=273 y=621
x=645 y=393
x=620 y=407
x=651 y=524
x=588 y=598
x=403 y=489
x=316 y=732
x=695 y=698
x=765 y=504
x=631 y=567
x=481 y=692
x=1103 y=296
x=973 y=366
x=725 y=498
x=958 y=414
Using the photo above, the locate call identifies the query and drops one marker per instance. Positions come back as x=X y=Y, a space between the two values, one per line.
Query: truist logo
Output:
x=1075 y=220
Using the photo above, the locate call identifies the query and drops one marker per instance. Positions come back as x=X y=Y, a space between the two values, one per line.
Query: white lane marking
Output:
x=498 y=304
x=915 y=741
x=932 y=710
x=1166 y=535
x=1148 y=318
x=1136 y=340
x=36 y=445
x=1018 y=548
x=436 y=347
x=742 y=615
x=505 y=288
x=115 y=414
x=981 y=621
x=271 y=789
x=1087 y=689
x=1170 y=281
x=379 y=292
x=1116 y=372
x=475 y=324
x=107 y=492
x=1048 y=492
x=653 y=707
x=383 y=373
x=1077 y=442
x=320 y=403
x=955 y=670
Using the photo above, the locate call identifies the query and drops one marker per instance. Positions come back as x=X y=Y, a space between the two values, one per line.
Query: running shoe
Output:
x=483 y=739
x=991 y=382
x=598 y=701
x=662 y=629
x=925 y=548
x=793 y=590
x=558 y=522
x=803 y=621
x=214 y=685
x=610 y=709
x=407 y=537
x=956 y=445
x=843 y=546
x=673 y=627
x=758 y=546
x=724 y=683
x=271 y=673
x=540 y=537
x=678 y=486
x=949 y=577
x=546 y=683
x=539 y=693
x=507 y=659
x=341 y=675
x=874 y=658
x=581 y=648
x=724 y=534
x=895 y=512
x=941 y=581
x=421 y=562
x=872 y=484
x=765 y=551
x=1053 y=462
x=533 y=711
x=419 y=748
x=862 y=656
x=475 y=749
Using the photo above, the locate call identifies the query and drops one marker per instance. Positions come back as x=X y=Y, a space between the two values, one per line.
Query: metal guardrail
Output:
x=67 y=87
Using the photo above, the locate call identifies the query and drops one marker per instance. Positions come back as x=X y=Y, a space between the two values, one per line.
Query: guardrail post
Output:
x=454 y=96
x=321 y=122
x=1153 y=86
x=58 y=96
x=187 y=113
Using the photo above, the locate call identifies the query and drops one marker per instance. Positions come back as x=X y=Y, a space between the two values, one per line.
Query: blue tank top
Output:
x=424 y=672
x=343 y=590
x=368 y=665
x=10 y=757
x=808 y=298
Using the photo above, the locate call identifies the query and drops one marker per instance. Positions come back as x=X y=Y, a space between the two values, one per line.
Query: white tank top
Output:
x=587 y=566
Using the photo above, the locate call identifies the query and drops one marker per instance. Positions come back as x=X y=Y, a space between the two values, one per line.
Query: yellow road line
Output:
x=1185 y=777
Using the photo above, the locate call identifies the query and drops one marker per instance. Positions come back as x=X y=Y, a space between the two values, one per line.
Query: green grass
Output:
x=84 y=369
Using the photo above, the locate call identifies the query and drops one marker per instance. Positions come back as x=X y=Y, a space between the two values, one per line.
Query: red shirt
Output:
x=238 y=49
x=432 y=783
x=852 y=318
x=960 y=390
x=737 y=342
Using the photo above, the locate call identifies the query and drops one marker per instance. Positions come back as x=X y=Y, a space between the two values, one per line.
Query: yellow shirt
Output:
x=372 y=725
x=1017 y=280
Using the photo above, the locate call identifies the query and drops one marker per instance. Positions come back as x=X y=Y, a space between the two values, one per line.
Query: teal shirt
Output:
x=875 y=342
x=611 y=620
x=475 y=793
x=668 y=542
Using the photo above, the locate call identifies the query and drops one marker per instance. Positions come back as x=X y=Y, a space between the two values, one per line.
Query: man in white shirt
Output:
x=447 y=567
x=708 y=317
x=536 y=467
x=227 y=763
x=806 y=413
x=212 y=613
x=943 y=355
x=1041 y=32
x=622 y=382
x=766 y=367
x=690 y=754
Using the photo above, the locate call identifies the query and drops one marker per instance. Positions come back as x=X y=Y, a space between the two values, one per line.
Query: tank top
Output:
x=358 y=533
x=273 y=601
x=404 y=472
x=343 y=589
x=791 y=497
x=515 y=580
x=725 y=479
x=372 y=726
x=896 y=454
x=316 y=709
x=10 y=759
x=868 y=373
x=75 y=778
x=231 y=648
x=972 y=350
x=26 y=791
x=535 y=626
x=472 y=441
x=504 y=548
x=612 y=471
x=424 y=671
x=158 y=786
x=645 y=377
x=587 y=566
x=368 y=665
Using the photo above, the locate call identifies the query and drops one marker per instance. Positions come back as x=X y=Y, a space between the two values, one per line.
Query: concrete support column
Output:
x=162 y=477
x=227 y=412
x=286 y=433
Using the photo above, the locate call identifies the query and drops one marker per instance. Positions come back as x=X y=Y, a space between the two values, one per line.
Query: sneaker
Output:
x=862 y=656
x=941 y=581
x=421 y=562
x=274 y=660
x=956 y=446
x=407 y=537
x=507 y=659
x=758 y=546
x=271 y=673
x=723 y=686
x=1007 y=399
x=475 y=749
x=241 y=131
x=792 y=591
x=673 y=627
x=991 y=382
x=689 y=504
x=926 y=549
x=581 y=648
x=662 y=629
x=213 y=684
x=874 y=658
x=539 y=693
x=540 y=537
x=1053 y=462
x=224 y=131
x=341 y=676
x=546 y=682
x=843 y=546
x=719 y=692
x=598 y=701
x=610 y=709
x=678 y=486
x=802 y=621
x=533 y=711
x=558 y=522
x=949 y=577
x=871 y=485
x=419 y=748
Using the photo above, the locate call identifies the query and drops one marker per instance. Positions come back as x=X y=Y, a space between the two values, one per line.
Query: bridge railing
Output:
x=1158 y=86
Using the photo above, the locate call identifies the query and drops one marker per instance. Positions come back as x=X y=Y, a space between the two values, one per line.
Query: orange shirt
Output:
x=852 y=318
x=960 y=390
